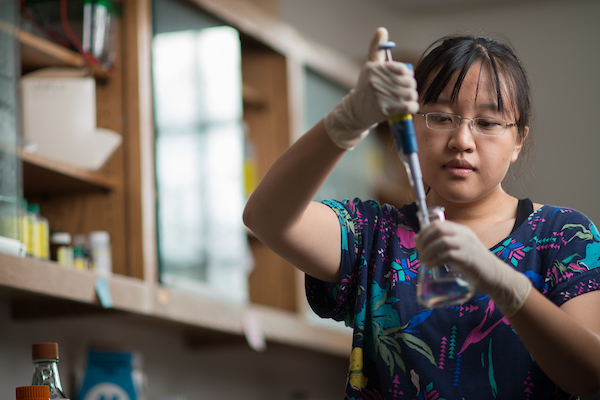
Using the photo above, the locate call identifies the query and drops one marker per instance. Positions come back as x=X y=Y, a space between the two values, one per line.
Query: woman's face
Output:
x=460 y=165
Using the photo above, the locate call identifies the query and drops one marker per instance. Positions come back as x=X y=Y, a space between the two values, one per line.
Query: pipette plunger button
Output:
x=387 y=46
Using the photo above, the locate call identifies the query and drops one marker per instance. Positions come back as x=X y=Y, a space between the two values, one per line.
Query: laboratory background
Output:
x=132 y=132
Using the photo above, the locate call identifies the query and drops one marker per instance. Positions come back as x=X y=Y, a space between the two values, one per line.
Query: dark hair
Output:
x=457 y=54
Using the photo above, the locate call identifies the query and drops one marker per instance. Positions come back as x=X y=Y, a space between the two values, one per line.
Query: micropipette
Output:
x=437 y=286
x=403 y=133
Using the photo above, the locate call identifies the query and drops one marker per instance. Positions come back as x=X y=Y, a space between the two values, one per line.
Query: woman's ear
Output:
x=519 y=145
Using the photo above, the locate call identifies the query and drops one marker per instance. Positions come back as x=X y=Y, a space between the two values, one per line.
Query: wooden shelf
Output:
x=42 y=175
x=33 y=284
x=37 y=277
x=37 y=52
x=45 y=176
x=272 y=93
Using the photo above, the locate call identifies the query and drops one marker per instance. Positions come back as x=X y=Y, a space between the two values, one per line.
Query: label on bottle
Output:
x=108 y=376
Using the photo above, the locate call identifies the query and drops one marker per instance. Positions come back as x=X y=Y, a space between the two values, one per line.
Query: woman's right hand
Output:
x=384 y=89
x=281 y=211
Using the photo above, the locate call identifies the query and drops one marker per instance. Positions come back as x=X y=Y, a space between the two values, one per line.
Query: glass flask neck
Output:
x=45 y=372
x=433 y=214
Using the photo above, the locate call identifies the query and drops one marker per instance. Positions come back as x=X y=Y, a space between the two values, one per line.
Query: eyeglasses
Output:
x=441 y=121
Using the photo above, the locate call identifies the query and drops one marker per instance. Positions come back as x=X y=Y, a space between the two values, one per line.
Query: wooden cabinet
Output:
x=120 y=198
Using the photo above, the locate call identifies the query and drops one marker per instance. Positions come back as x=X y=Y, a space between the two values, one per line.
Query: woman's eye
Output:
x=489 y=123
x=442 y=119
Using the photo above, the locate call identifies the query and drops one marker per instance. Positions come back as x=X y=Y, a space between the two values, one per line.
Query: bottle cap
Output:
x=79 y=240
x=99 y=238
x=44 y=350
x=33 y=208
x=59 y=238
x=37 y=392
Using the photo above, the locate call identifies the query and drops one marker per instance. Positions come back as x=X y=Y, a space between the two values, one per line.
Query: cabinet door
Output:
x=9 y=138
x=199 y=145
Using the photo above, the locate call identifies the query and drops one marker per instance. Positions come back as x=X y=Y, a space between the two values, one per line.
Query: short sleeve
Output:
x=575 y=268
x=337 y=301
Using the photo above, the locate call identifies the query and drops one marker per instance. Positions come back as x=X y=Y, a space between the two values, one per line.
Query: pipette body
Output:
x=403 y=132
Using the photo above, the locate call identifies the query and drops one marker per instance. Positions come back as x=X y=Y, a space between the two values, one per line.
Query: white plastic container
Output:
x=101 y=252
x=12 y=246
x=59 y=118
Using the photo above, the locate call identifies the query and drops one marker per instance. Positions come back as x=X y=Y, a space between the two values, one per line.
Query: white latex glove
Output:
x=384 y=89
x=448 y=242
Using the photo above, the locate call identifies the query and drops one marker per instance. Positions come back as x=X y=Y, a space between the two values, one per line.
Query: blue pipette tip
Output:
x=387 y=46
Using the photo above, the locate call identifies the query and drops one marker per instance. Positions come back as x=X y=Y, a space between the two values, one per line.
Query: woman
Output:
x=532 y=329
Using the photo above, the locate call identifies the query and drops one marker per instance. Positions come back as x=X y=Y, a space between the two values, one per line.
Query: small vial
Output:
x=100 y=252
x=29 y=226
x=37 y=232
x=440 y=285
x=24 y=226
x=42 y=239
x=80 y=259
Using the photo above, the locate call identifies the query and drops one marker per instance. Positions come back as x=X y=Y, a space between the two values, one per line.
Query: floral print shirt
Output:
x=401 y=350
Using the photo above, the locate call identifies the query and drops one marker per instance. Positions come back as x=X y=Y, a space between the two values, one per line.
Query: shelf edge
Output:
x=90 y=177
x=51 y=49
x=132 y=295
x=51 y=279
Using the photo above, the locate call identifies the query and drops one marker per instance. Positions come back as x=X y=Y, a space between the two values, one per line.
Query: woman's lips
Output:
x=459 y=168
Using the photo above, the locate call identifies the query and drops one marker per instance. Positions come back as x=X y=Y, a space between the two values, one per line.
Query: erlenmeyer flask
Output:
x=441 y=286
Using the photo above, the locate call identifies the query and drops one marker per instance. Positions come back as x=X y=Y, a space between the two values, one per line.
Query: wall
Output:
x=557 y=41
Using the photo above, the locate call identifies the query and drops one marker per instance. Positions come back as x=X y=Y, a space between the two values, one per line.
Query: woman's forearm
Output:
x=566 y=348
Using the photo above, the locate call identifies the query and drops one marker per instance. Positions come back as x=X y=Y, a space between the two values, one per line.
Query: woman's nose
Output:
x=462 y=138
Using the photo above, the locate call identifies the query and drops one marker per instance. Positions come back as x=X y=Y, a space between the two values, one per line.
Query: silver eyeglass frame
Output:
x=472 y=124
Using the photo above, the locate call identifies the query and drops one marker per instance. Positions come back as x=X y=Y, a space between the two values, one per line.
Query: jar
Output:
x=61 y=250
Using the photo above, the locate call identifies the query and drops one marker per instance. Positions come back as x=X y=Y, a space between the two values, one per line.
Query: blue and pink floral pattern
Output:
x=401 y=350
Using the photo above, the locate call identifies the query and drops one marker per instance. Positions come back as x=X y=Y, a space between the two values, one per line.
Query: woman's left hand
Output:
x=446 y=242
